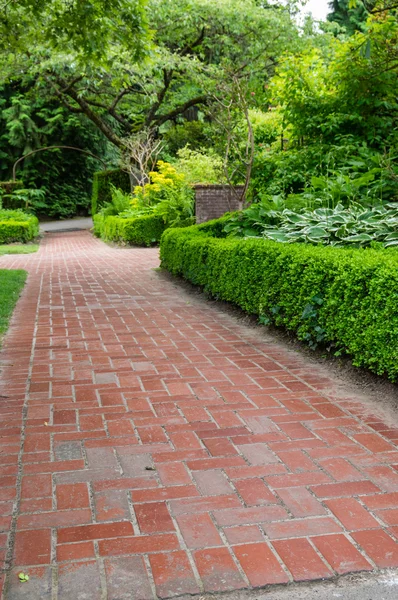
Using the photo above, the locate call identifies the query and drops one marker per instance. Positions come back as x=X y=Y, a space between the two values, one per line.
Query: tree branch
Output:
x=160 y=119
x=167 y=79
x=92 y=115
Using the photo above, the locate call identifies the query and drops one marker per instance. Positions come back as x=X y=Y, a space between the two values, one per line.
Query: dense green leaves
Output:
x=145 y=230
x=86 y=29
x=16 y=226
x=345 y=299
x=339 y=226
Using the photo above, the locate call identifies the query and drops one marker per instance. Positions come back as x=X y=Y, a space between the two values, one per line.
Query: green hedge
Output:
x=347 y=298
x=16 y=226
x=101 y=187
x=139 y=231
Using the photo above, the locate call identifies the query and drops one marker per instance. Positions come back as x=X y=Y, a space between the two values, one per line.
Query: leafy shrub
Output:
x=199 y=167
x=29 y=120
x=16 y=226
x=346 y=298
x=167 y=195
x=195 y=133
x=7 y=198
x=119 y=203
x=102 y=191
x=354 y=226
x=139 y=231
x=140 y=218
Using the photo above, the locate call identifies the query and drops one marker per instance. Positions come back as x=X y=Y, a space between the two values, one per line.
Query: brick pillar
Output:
x=212 y=201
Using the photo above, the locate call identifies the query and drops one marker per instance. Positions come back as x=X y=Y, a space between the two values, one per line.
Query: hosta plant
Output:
x=339 y=226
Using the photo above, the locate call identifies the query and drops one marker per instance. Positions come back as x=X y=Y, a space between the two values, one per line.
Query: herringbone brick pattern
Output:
x=168 y=450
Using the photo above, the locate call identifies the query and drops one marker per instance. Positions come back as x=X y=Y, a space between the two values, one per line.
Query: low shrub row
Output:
x=344 y=298
x=16 y=226
x=139 y=231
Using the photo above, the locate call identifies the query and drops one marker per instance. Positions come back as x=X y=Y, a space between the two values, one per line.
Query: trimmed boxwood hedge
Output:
x=16 y=226
x=138 y=231
x=344 y=297
x=101 y=187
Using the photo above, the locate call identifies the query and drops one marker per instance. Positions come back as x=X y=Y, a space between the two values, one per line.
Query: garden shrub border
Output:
x=345 y=298
x=13 y=230
x=139 y=231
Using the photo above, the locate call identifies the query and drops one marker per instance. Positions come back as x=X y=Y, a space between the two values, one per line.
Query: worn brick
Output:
x=260 y=564
x=302 y=560
x=32 y=547
x=341 y=554
x=218 y=570
x=153 y=517
x=173 y=574
x=120 y=583
x=78 y=576
x=199 y=531
x=379 y=546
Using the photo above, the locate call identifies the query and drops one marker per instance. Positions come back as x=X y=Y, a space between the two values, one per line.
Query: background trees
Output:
x=103 y=73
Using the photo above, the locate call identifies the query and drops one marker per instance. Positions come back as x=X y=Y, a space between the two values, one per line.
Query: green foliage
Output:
x=345 y=172
x=345 y=88
x=11 y=284
x=59 y=181
x=102 y=190
x=199 y=166
x=352 y=19
x=139 y=231
x=344 y=298
x=354 y=226
x=196 y=44
x=120 y=202
x=67 y=26
x=195 y=134
x=16 y=226
x=8 y=198
x=166 y=195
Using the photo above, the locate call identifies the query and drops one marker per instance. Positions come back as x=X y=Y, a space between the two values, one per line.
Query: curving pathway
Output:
x=167 y=449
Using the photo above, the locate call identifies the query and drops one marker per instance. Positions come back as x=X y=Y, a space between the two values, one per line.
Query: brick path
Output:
x=169 y=450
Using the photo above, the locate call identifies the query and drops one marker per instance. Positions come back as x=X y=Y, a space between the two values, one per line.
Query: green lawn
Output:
x=18 y=248
x=11 y=284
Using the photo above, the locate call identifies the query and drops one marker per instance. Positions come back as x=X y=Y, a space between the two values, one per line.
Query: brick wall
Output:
x=212 y=201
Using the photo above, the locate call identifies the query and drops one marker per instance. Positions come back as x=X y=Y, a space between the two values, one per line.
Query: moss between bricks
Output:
x=344 y=298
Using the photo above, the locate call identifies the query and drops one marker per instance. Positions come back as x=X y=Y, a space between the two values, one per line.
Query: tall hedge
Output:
x=101 y=187
x=344 y=297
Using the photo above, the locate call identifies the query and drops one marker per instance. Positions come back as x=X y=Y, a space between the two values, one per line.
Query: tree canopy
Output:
x=195 y=44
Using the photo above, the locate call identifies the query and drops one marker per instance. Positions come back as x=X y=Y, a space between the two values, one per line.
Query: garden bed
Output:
x=346 y=299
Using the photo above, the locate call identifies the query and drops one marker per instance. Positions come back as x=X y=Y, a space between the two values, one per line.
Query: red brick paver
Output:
x=168 y=450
